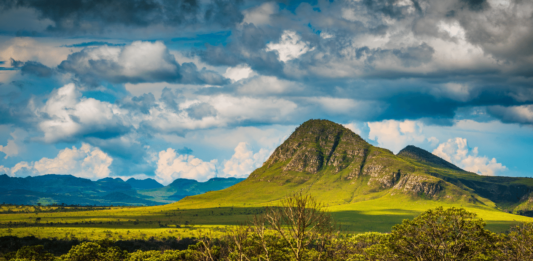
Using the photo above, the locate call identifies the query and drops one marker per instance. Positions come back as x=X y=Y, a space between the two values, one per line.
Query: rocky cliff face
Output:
x=318 y=144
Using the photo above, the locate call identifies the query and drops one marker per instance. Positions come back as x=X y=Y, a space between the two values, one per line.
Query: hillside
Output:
x=70 y=190
x=181 y=188
x=337 y=166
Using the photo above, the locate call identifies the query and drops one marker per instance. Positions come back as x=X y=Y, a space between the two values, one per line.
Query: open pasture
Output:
x=186 y=219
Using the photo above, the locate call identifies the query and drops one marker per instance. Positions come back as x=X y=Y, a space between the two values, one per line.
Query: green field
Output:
x=187 y=219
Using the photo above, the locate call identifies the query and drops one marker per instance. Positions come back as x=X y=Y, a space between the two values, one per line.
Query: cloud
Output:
x=171 y=166
x=135 y=63
x=14 y=146
x=513 y=114
x=457 y=152
x=81 y=17
x=260 y=15
x=396 y=135
x=85 y=162
x=353 y=127
x=238 y=73
x=289 y=47
x=244 y=161
x=67 y=116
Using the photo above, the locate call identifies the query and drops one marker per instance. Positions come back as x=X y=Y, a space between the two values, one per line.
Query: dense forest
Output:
x=300 y=229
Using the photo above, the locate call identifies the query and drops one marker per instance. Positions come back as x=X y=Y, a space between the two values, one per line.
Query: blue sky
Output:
x=193 y=89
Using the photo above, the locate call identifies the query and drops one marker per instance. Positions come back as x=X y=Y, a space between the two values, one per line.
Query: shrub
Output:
x=439 y=234
x=518 y=244
x=89 y=251
x=30 y=253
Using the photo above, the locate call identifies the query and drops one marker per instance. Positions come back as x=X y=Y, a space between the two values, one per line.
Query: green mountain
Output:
x=182 y=188
x=71 y=190
x=338 y=167
x=139 y=184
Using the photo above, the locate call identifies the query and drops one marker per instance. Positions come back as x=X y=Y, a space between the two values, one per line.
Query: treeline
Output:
x=58 y=247
x=13 y=209
x=300 y=229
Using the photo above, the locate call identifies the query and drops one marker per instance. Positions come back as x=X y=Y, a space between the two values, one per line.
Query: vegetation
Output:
x=298 y=228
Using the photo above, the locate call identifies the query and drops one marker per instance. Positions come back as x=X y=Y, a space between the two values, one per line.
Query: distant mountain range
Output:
x=70 y=190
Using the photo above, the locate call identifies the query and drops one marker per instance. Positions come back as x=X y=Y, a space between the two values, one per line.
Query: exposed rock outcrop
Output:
x=419 y=184
x=318 y=144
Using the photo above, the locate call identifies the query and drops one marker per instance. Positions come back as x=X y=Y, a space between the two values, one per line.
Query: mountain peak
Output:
x=422 y=155
x=317 y=144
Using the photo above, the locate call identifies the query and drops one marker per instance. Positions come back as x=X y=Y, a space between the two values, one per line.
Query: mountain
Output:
x=181 y=188
x=338 y=167
x=70 y=190
x=139 y=184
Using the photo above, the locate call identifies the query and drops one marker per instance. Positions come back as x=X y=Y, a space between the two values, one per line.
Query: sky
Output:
x=195 y=89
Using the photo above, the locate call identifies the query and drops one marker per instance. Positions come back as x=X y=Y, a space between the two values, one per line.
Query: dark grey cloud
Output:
x=201 y=110
x=513 y=114
x=247 y=46
x=169 y=98
x=141 y=103
x=135 y=63
x=93 y=43
x=412 y=56
x=32 y=68
x=15 y=63
x=37 y=69
x=99 y=16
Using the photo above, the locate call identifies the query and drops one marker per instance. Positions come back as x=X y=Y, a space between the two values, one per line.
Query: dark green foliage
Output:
x=439 y=234
x=30 y=253
x=89 y=251
x=518 y=244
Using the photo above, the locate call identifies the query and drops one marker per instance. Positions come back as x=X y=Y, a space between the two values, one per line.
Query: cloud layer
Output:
x=142 y=80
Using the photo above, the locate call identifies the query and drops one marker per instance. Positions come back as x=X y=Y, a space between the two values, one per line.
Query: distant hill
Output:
x=71 y=190
x=338 y=167
x=139 y=184
x=181 y=188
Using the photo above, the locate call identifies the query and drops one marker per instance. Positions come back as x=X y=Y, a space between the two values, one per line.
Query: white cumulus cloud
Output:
x=456 y=151
x=86 y=162
x=14 y=146
x=290 y=46
x=395 y=135
x=244 y=161
x=67 y=115
x=171 y=166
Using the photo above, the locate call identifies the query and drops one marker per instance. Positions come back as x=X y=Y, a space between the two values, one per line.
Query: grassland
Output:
x=186 y=219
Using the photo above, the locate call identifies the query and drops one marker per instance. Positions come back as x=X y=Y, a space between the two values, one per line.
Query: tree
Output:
x=301 y=221
x=442 y=234
x=89 y=251
x=31 y=253
x=518 y=244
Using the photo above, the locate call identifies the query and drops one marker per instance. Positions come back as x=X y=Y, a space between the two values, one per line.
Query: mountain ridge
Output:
x=71 y=190
x=337 y=166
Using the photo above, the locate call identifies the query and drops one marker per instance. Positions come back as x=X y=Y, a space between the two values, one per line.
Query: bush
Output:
x=439 y=234
x=89 y=251
x=518 y=244
x=30 y=253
